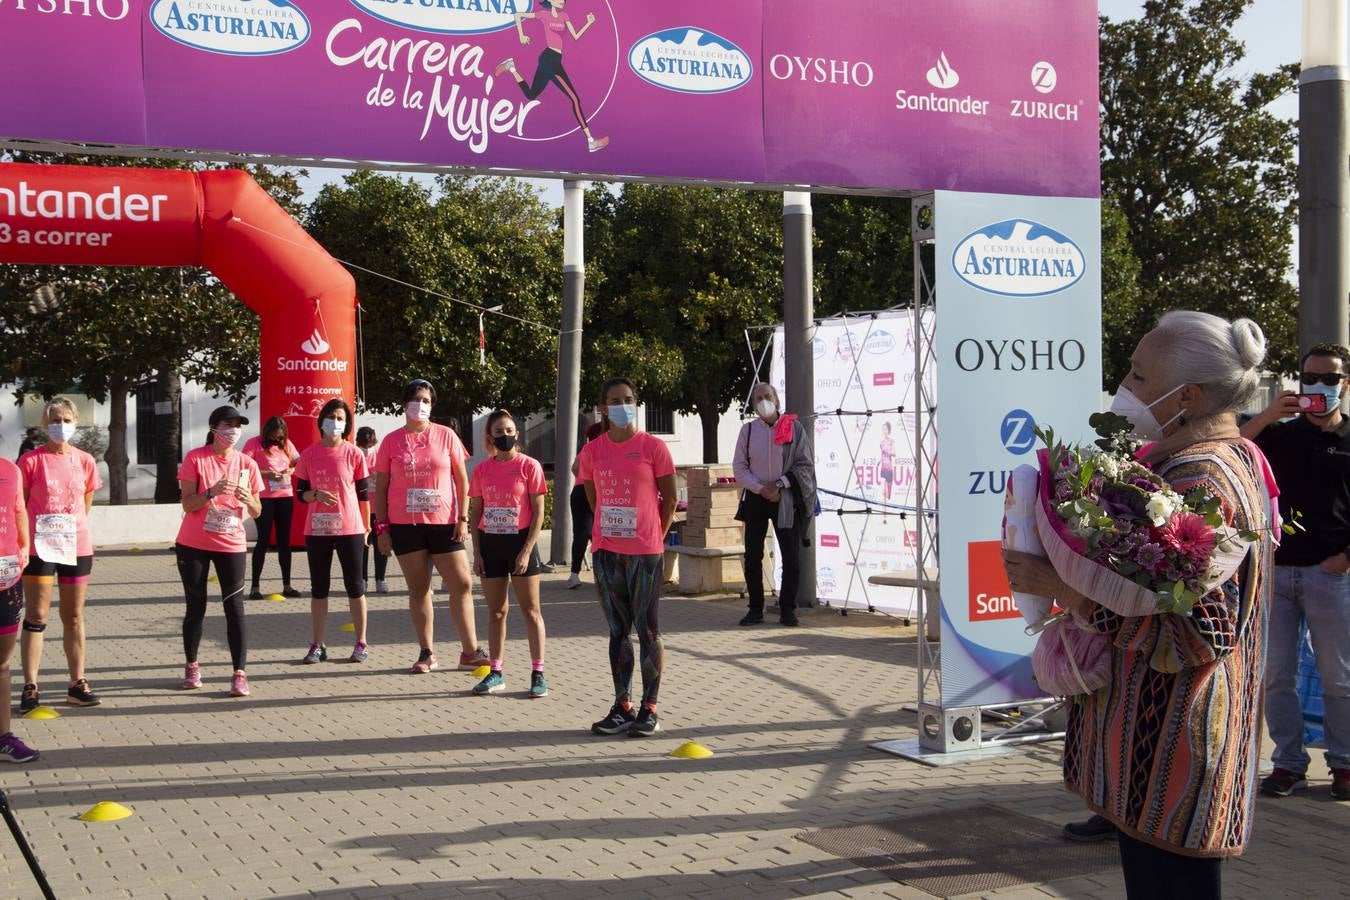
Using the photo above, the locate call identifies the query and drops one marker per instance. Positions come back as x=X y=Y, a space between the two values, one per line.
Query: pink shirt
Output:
x=336 y=470
x=11 y=483
x=421 y=475
x=555 y=26
x=273 y=459
x=219 y=525
x=506 y=488
x=757 y=460
x=56 y=484
x=627 y=508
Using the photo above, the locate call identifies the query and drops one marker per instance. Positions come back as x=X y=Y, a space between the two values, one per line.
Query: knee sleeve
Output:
x=34 y=627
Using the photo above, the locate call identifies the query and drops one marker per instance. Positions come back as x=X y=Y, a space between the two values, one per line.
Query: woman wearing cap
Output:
x=219 y=486
x=630 y=480
x=506 y=507
x=420 y=513
x=275 y=455
x=332 y=482
x=13 y=559
x=368 y=444
x=59 y=480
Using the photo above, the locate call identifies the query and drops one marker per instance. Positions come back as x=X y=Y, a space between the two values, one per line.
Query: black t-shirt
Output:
x=1312 y=467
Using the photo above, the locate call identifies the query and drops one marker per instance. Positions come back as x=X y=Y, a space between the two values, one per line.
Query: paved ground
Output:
x=339 y=780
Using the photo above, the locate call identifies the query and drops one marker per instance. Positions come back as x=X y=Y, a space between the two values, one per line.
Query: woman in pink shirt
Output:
x=275 y=455
x=368 y=444
x=13 y=559
x=630 y=481
x=420 y=506
x=332 y=482
x=59 y=480
x=219 y=486
x=506 y=507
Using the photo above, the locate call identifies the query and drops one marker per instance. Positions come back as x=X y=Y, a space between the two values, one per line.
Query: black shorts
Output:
x=11 y=610
x=40 y=568
x=434 y=539
x=499 y=553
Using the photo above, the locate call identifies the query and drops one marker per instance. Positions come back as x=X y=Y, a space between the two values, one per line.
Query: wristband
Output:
x=464 y=519
x=381 y=527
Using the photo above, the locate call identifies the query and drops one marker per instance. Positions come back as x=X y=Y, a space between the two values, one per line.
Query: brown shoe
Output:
x=1340 y=784
x=1282 y=782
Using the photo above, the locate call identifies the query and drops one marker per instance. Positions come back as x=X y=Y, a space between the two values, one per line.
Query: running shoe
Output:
x=538 y=685
x=16 y=751
x=494 y=683
x=505 y=65
x=573 y=581
x=470 y=661
x=317 y=653
x=30 y=698
x=753 y=617
x=789 y=619
x=78 y=694
x=425 y=663
x=192 y=676
x=239 y=684
x=597 y=144
x=1096 y=828
x=1340 y=784
x=360 y=652
x=645 y=725
x=290 y=592
x=1283 y=782
x=255 y=594
x=381 y=587
x=619 y=719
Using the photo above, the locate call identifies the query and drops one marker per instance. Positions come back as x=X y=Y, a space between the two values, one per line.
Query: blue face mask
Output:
x=622 y=414
x=1333 y=395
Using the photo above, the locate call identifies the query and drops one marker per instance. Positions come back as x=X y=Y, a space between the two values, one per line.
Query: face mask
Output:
x=418 y=410
x=227 y=435
x=1140 y=414
x=331 y=427
x=1332 y=394
x=622 y=414
x=60 y=432
x=766 y=408
x=505 y=443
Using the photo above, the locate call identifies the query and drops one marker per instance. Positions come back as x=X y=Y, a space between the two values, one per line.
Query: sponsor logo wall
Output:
x=898 y=96
x=863 y=462
x=1018 y=346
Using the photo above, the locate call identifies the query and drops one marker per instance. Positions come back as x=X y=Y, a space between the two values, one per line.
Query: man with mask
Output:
x=1310 y=456
x=774 y=467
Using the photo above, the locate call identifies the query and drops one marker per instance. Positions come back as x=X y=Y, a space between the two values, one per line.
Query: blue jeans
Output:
x=1324 y=600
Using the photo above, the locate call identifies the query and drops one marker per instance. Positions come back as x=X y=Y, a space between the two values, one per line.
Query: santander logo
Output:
x=942 y=75
x=315 y=345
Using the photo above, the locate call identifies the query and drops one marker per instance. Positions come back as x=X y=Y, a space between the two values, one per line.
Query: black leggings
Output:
x=194 y=566
x=381 y=561
x=350 y=552
x=551 y=70
x=274 y=510
x=1152 y=873
x=583 y=520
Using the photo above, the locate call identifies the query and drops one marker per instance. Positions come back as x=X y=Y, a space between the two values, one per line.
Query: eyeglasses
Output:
x=1330 y=379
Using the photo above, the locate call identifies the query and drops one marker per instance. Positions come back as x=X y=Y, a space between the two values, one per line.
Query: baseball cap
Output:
x=221 y=413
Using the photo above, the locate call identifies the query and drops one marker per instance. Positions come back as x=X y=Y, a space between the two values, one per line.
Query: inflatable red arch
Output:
x=222 y=220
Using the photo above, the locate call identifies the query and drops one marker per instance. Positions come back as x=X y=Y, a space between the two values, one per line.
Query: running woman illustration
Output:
x=887 y=459
x=556 y=22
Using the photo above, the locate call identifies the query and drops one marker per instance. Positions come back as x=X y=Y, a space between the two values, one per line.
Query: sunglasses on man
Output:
x=1330 y=379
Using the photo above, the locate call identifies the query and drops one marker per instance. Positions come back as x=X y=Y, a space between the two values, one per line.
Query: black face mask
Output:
x=505 y=443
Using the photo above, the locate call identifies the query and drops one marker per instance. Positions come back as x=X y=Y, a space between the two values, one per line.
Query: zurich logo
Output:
x=879 y=342
x=232 y=27
x=448 y=16
x=691 y=61
x=1019 y=258
x=1018 y=432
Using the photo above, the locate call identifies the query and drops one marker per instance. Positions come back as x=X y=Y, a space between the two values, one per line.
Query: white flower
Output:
x=1107 y=465
x=1160 y=507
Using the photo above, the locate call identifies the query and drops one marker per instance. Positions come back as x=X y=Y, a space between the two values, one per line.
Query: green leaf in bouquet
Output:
x=1178 y=588
x=1127 y=567
x=1250 y=537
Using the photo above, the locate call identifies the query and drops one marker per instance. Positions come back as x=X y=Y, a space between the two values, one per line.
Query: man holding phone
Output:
x=1310 y=456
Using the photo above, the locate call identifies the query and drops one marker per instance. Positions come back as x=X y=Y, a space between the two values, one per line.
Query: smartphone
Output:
x=1313 y=403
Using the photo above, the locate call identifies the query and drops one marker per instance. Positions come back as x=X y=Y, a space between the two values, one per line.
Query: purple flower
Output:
x=1121 y=502
x=1150 y=556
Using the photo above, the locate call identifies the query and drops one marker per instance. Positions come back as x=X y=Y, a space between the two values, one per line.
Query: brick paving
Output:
x=360 y=781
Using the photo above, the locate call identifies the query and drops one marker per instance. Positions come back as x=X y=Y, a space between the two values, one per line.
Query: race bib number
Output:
x=325 y=523
x=618 y=521
x=277 y=479
x=224 y=520
x=501 y=520
x=424 y=500
x=55 y=538
x=9 y=572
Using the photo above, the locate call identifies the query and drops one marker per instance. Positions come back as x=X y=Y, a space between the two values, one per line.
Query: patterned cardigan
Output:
x=1168 y=751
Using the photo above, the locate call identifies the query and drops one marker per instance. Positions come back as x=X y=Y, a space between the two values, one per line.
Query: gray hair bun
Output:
x=1249 y=342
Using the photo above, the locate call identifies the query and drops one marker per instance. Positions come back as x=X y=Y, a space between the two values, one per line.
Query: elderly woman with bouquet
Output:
x=1168 y=748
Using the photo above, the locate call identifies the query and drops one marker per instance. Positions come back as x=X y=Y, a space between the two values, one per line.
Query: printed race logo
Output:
x=448 y=16
x=879 y=342
x=232 y=27
x=315 y=345
x=942 y=75
x=690 y=61
x=990 y=596
x=829 y=540
x=1044 y=77
x=1018 y=432
x=1019 y=258
x=883 y=379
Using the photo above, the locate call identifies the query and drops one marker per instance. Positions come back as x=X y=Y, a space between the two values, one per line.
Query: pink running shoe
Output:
x=425 y=663
x=239 y=684
x=192 y=677
x=470 y=661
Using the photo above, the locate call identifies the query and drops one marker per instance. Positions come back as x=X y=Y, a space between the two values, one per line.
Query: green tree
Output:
x=1202 y=170
x=687 y=270
x=863 y=256
x=486 y=241
x=1120 y=293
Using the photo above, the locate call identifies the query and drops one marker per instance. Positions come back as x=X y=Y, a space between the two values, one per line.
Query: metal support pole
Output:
x=1323 y=178
x=798 y=328
x=567 y=414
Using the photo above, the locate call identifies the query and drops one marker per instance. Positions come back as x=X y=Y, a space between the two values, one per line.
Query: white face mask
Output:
x=418 y=410
x=331 y=427
x=227 y=435
x=60 y=432
x=1140 y=414
x=766 y=408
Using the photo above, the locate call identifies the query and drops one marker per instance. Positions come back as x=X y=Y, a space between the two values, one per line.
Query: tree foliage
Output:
x=863 y=255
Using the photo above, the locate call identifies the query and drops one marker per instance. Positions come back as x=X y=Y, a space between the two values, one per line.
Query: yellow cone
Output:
x=482 y=671
x=135 y=549
x=691 y=750
x=105 y=812
x=347 y=626
x=42 y=712
x=213 y=579
x=275 y=598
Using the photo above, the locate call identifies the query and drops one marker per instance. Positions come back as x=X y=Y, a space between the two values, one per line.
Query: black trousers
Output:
x=194 y=566
x=1152 y=873
x=583 y=520
x=275 y=511
x=350 y=549
x=758 y=514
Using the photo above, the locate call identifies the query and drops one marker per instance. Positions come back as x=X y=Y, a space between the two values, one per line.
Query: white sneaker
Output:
x=595 y=144
x=573 y=581
x=381 y=587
